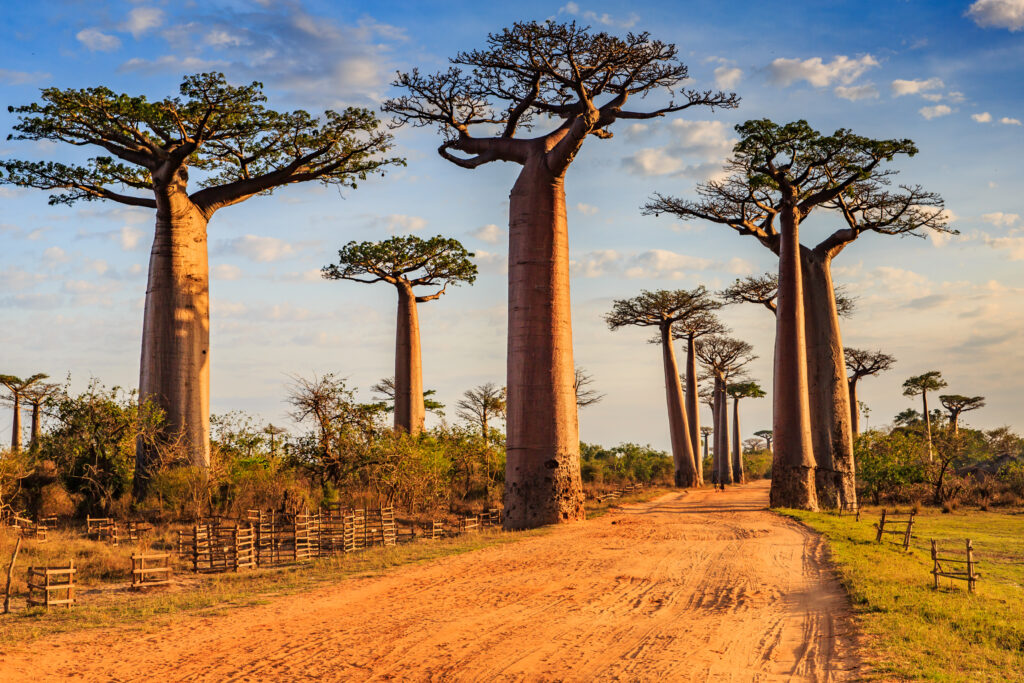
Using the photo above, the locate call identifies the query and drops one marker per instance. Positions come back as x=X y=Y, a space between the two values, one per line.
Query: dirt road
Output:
x=702 y=587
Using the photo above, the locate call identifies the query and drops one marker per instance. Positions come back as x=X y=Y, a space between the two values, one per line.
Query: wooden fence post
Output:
x=910 y=526
x=10 y=571
x=970 y=566
x=935 y=563
x=881 y=528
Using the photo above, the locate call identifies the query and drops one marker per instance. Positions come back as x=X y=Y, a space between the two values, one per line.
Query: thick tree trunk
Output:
x=831 y=435
x=36 y=427
x=854 y=408
x=927 y=424
x=16 y=426
x=542 y=474
x=954 y=420
x=409 y=409
x=682 y=447
x=693 y=407
x=793 y=460
x=722 y=433
x=737 y=446
x=175 y=367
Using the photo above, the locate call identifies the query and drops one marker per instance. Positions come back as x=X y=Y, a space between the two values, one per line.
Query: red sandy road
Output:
x=706 y=586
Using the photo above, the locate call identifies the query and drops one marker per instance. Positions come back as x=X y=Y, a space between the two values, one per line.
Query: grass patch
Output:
x=915 y=632
x=597 y=509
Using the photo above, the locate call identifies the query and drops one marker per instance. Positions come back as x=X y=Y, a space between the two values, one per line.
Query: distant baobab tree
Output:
x=406 y=262
x=585 y=396
x=531 y=74
x=863 y=363
x=778 y=176
x=922 y=384
x=705 y=432
x=957 y=404
x=765 y=434
x=763 y=290
x=241 y=149
x=19 y=388
x=273 y=432
x=482 y=405
x=662 y=309
x=724 y=358
x=737 y=391
x=35 y=395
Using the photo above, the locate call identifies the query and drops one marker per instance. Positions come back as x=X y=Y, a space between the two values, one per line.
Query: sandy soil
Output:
x=703 y=587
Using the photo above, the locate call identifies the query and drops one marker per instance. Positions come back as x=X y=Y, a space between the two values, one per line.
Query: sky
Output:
x=949 y=75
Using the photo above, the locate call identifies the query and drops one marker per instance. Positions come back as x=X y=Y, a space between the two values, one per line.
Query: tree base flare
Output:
x=793 y=487
x=534 y=499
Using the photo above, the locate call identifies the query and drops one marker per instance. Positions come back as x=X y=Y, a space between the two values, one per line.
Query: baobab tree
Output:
x=18 y=388
x=707 y=394
x=585 y=396
x=737 y=391
x=863 y=363
x=241 y=149
x=35 y=396
x=529 y=74
x=272 y=433
x=764 y=289
x=482 y=405
x=957 y=404
x=724 y=359
x=922 y=384
x=406 y=262
x=705 y=432
x=663 y=309
x=765 y=434
x=778 y=175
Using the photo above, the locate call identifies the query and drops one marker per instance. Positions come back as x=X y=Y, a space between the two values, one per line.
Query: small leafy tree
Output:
x=921 y=385
x=482 y=405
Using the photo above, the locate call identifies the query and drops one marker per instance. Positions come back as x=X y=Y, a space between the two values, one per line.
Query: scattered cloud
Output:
x=603 y=18
x=1000 y=219
x=697 y=150
x=901 y=87
x=130 y=237
x=653 y=162
x=983 y=117
x=1007 y=121
x=857 y=92
x=9 y=77
x=97 y=41
x=653 y=264
x=726 y=77
x=226 y=271
x=586 y=209
x=1013 y=246
x=399 y=223
x=14 y=278
x=597 y=263
x=143 y=19
x=260 y=249
x=490 y=262
x=55 y=255
x=170 y=63
x=819 y=73
x=490 y=233
x=935 y=112
x=1007 y=14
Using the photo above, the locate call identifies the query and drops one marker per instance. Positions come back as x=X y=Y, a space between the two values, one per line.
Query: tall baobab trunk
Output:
x=543 y=470
x=854 y=410
x=409 y=408
x=175 y=366
x=793 y=460
x=831 y=435
x=737 y=446
x=693 y=407
x=722 y=433
x=954 y=421
x=682 y=446
x=16 y=425
x=36 y=426
x=927 y=423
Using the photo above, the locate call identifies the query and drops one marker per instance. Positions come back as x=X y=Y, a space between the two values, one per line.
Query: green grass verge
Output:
x=914 y=631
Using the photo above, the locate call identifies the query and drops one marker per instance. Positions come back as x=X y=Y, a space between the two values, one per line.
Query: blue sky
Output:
x=949 y=75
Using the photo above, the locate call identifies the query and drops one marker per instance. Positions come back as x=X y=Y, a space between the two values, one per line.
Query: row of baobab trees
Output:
x=532 y=96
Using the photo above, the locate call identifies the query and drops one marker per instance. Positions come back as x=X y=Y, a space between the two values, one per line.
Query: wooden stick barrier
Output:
x=904 y=532
x=157 y=573
x=42 y=581
x=940 y=566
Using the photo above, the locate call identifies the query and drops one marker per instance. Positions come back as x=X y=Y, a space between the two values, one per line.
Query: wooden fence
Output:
x=903 y=528
x=941 y=566
x=102 y=529
x=151 y=570
x=44 y=581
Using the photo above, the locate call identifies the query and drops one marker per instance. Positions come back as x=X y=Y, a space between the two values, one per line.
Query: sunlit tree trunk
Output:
x=682 y=447
x=693 y=406
x=832 y=436
x=36 y=426
x=175 y=364
x=737 y=445
x=854 y=409
x=793 y=482
x=543 y=470
x=16 y=425
x=722 y=433
x=409 y=407
x=927 y=423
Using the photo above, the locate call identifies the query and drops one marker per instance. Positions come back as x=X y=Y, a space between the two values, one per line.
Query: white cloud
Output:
x=490 y=262
x=130 y=238
x=983 y=117
x=222 y=38
x=708 y=143
x=596 y=263
x=1014 y=246
x=726 y=77
x=143 y=19
x=998 y=14
x=1000 y=219
x=664 y=264
x=819 y=73
x=935 y=112
x=261 y=249
x=490 y=233
x=1009 y=122
x=652 y=162
x=14 y=278
x=857 y=92
x=603 y=18
x=586 y=209
x=170 y=63
x=55 y=255
x=902 y=87
x=226 y=271
x=97 y=41
x=400 y=222
x=955 y=96
x=9 y=77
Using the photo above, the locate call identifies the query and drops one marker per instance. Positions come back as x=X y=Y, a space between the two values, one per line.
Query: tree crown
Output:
x=242 y=147
x=764 y=289
x=405 y=260
x=957 y=403
x=748 y=389
x=724 y=356
x=929 y=381
x=682 y=311
x=543 y=70
x=861 y=362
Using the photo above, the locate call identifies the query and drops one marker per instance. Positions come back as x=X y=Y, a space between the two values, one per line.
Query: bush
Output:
x=888 y=464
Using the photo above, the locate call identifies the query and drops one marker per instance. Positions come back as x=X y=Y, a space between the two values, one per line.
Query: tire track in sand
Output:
x=706 y=586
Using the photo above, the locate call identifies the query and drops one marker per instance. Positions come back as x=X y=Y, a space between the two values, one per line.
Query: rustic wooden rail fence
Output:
x=44 y=581
x=850 y=509
x=102 y=529
x=903 y=530
x=151 y=570
x=940 y=566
